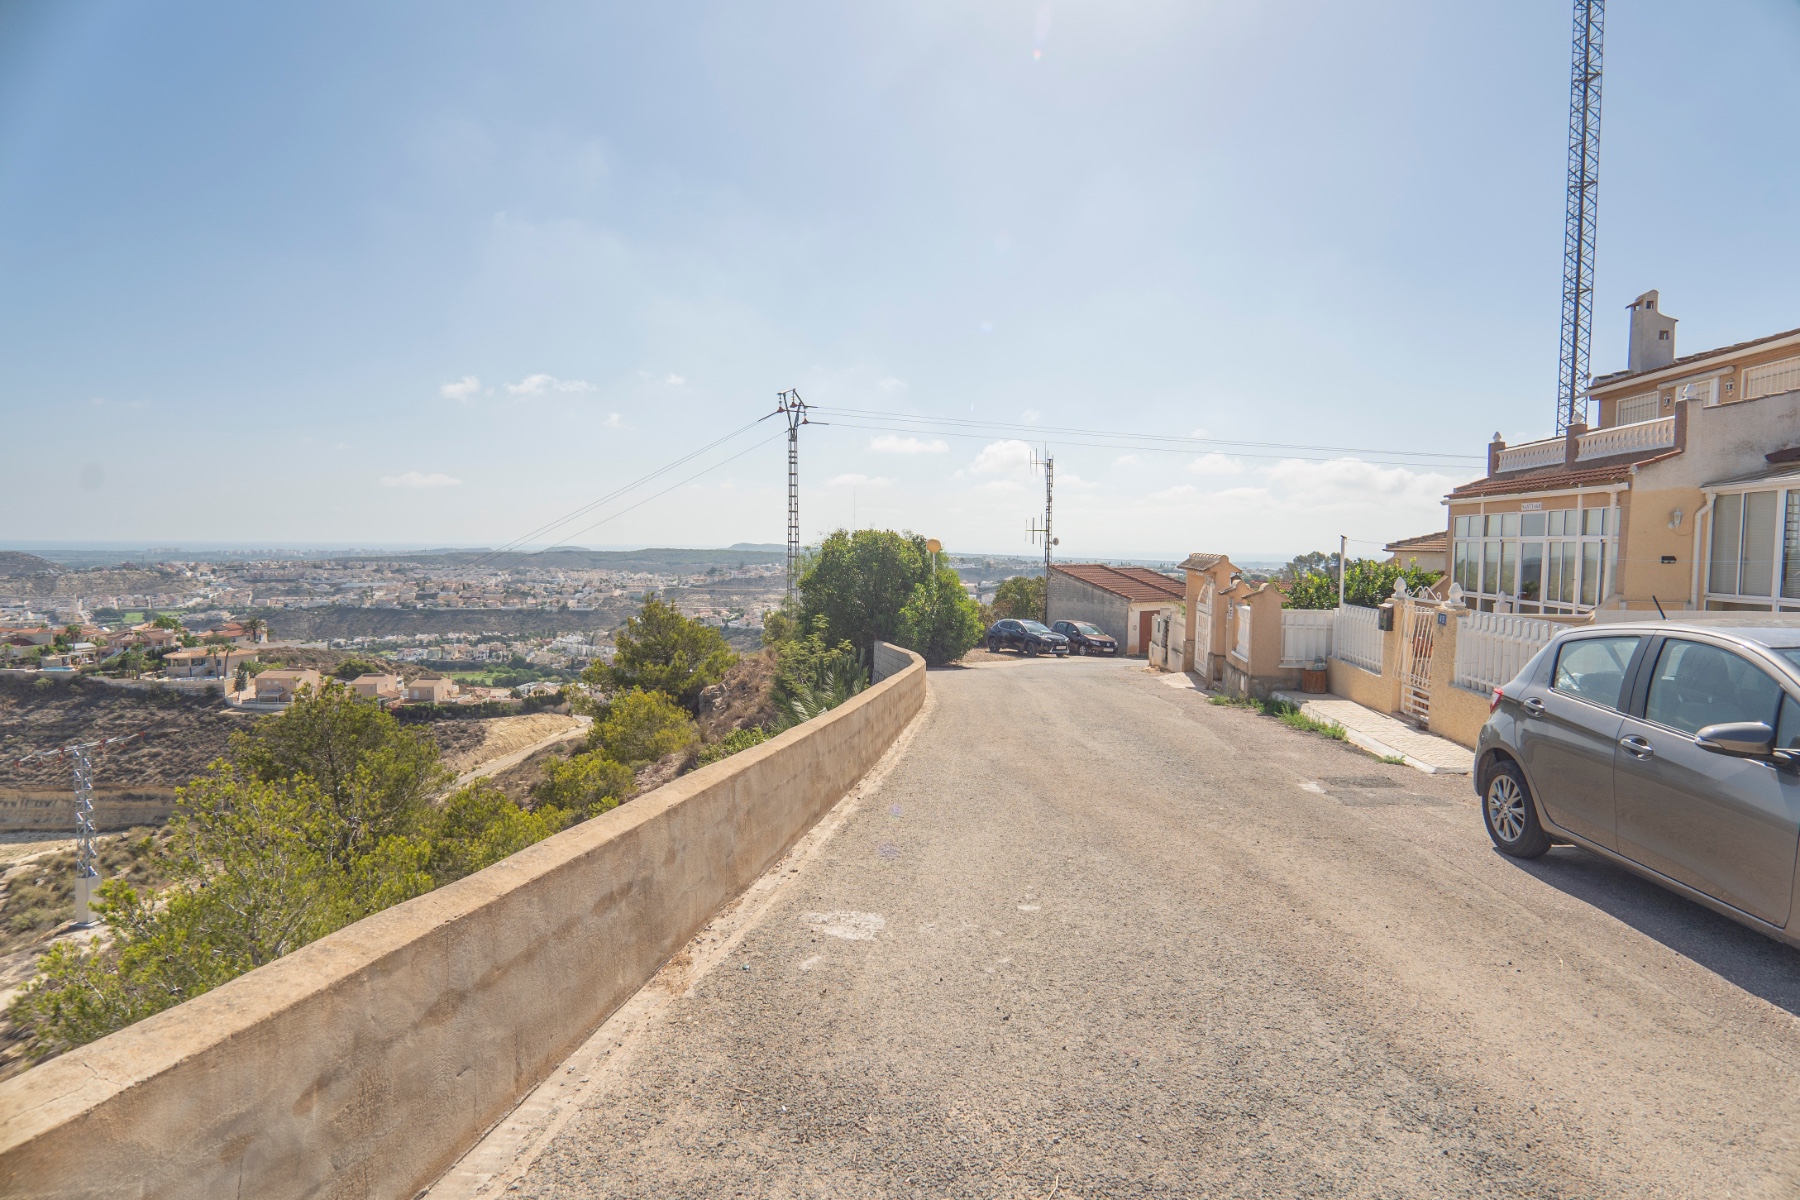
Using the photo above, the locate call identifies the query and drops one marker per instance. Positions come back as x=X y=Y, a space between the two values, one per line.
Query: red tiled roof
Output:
x=1427 y=542
x=1133 y=583
x=1553 y=479
x=1602 y=381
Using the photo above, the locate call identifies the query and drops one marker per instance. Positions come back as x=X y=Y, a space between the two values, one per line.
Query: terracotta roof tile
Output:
x=1436 y=540
x=1601 y=381
x=1133 y=583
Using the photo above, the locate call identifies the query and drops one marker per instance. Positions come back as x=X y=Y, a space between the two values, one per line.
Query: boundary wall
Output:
x=364 y=1064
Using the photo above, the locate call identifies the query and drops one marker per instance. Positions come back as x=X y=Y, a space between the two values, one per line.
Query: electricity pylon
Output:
x=1049 y=464
x=87 y=871
x=793 y=407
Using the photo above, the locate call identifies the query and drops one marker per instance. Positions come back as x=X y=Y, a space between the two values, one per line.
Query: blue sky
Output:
x=439 y=273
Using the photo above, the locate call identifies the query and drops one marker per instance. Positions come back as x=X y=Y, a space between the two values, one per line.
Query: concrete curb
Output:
x=1362 y=739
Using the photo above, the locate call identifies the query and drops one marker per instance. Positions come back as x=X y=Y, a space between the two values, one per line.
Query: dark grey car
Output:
x=1673 y=749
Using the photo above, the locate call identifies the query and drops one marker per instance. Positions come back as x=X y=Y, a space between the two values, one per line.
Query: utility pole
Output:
x=1581 y=209
x=87 y=873
x=793 y=407
x=1049 y=464
x=1343 y=544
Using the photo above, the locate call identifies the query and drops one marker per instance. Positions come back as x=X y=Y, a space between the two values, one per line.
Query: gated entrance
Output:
x=1418 y=635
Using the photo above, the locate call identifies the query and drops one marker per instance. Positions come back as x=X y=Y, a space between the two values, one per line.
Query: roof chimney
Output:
x=1652 y=335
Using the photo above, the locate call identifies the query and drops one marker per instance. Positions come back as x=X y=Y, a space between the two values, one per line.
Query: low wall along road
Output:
x=363 y=1064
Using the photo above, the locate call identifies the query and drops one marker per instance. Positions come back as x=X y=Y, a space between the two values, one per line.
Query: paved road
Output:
x=1096 y=937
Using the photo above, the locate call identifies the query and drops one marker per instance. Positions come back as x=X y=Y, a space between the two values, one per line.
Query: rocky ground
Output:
x=1094 y=936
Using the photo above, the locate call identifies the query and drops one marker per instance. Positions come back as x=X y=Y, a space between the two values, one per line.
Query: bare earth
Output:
x=1094 y=936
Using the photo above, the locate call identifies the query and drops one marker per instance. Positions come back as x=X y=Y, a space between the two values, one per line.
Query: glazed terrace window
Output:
x=1753 y=554
x=1556 y=561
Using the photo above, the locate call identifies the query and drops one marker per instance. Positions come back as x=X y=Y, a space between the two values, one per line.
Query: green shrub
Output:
x=941 y=622
x=589 y=784
x=659 y=650
x=737 y=740
x=640 y=727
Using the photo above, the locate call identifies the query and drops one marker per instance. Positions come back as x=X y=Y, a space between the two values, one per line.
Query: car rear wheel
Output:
x=1031 y=648
x=1510 y=815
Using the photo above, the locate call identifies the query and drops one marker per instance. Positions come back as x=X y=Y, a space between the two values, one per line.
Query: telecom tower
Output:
x=793 y=407
x=1049 y=464
x=1582 y=205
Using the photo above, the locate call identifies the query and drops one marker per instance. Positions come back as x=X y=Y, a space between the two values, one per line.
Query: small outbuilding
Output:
x=1120 y=600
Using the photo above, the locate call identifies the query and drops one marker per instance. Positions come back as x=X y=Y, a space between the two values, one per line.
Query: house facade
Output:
x=430 y=691
x=1121 y=601
x=1684 y=494
x=281 y=686
x=205 y=662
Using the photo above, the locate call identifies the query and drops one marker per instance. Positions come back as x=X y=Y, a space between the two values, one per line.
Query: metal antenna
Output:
x=793 y=407
x=1582 y=207
x=1049 y=464
x=87 y=857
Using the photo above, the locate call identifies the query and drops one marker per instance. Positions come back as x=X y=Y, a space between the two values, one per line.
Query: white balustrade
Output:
x=1356 y=638
x=1491 y=648
x=1626 y=439
x=1548 y=452
x=1306 y=635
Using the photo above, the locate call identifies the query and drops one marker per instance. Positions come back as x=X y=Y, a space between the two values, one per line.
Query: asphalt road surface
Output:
x=1095 y=936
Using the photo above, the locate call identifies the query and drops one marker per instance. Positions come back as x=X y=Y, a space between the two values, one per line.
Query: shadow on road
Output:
x=1739 y=955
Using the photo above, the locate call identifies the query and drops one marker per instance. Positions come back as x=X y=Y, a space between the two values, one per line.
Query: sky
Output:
x=444 y=273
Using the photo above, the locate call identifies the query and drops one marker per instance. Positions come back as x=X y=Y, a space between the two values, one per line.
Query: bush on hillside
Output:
x=659 y=650
x=859 y=582
x=940 y=622
x=640 y=727
x=589 y=784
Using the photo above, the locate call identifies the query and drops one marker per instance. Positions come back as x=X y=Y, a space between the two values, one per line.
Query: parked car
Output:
x=1027 y=637
x=1086 y=639
x=1672 y=749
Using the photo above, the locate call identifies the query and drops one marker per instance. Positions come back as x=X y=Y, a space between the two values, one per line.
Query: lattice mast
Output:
x=87 y=856
x=1582 y=205
x=793 y=407
x=1049 y=464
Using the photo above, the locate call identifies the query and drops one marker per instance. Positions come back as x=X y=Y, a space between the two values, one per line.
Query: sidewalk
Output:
x=1386 y=736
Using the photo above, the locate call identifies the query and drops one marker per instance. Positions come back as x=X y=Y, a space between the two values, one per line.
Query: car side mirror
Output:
x=1739 y=739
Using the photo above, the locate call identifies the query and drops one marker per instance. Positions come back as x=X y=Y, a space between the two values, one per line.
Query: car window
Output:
x=1787 y=732
x=1088 y=629
x=1697 y=685
x=1034 y=626
x=1594 y=668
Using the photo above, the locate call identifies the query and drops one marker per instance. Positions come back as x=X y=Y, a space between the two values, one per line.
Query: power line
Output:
x=1377 y=462
x=613 y=495
x=1193 y=441
x=670 y=488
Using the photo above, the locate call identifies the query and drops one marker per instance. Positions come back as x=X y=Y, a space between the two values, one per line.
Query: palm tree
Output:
x=255 y=627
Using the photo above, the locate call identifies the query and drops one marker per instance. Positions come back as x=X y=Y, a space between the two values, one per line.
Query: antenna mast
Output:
x=1582 y=206
x=793 y=407
x=1049 y=464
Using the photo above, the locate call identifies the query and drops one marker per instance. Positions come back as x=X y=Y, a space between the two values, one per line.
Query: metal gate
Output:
x=1415 y=663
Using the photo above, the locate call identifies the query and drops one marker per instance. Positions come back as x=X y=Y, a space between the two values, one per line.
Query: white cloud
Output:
x=1216 y=464
x=1127 y=460
x=858 y=481
x=614 y=421
x=675 y=380
x=537 y=385
x=1009 y=457
x=464 y=389
x=1178 y=494
x=419 y=479
x=1030 y=416
x=891 y=385
x=892 y=443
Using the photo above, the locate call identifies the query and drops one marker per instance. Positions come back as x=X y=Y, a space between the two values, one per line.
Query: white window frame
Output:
x=1774 y=601
x=1582 y=501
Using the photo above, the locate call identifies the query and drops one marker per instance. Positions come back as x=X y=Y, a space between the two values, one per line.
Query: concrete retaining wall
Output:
x=364 y=1064
x=889 y=660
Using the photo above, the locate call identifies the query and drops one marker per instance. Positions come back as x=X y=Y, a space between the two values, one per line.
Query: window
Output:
x=1744 y=530
x=1696 y=685
x=1594 y=668
x=1787 y=732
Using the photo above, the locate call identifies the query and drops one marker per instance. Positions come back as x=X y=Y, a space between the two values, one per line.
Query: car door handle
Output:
x=1638 y=746
x=1532 y=705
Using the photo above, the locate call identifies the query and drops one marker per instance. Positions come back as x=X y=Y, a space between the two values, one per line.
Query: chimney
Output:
x=1652 y=335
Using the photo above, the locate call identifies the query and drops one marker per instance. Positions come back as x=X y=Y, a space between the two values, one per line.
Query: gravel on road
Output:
x=1095 y=936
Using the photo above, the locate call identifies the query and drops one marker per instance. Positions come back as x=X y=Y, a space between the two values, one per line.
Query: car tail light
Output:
x=1494 y=701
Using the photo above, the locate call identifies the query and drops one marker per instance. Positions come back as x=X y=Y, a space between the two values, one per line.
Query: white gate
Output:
x=1306 y=635
x=1417 y=639
x=1491 y=648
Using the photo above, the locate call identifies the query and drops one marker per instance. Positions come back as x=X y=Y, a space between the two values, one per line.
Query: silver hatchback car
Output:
x=1673 y=749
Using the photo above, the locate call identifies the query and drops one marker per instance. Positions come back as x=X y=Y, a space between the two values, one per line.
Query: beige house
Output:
x=281 y=686
x=430 y=691
x=205 y=662
x=1685 y=493
x=377 y=687
x=1428 y=551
